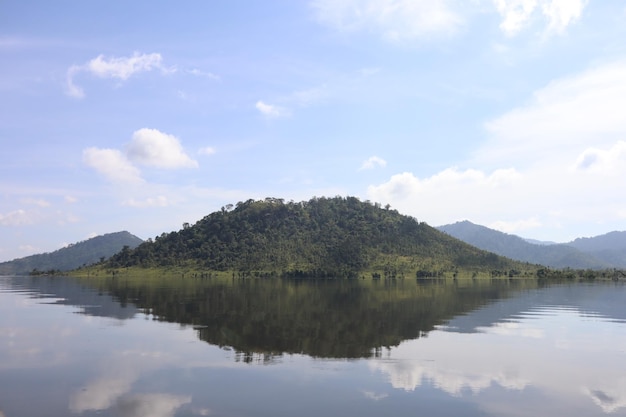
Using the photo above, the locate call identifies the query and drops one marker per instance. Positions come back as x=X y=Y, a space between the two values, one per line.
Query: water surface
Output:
x=197 y=347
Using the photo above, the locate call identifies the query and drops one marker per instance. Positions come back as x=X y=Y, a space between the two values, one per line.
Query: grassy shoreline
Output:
x=192 y=271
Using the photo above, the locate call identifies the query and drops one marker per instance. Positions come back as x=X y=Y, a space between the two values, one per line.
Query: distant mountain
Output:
x=610 y=247
x=331 y=237
x=514 y=247
x=72 y=256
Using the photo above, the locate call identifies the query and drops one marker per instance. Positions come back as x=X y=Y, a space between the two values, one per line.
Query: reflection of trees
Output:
x=326 y=318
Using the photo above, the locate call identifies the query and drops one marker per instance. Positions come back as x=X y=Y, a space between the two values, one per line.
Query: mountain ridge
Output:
x=599 y=252
x=72 y=256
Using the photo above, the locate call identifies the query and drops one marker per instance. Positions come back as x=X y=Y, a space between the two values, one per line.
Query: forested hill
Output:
x=73 y=256
x=320 y=237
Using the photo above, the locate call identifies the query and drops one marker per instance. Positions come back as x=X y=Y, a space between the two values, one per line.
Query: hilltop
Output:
x=73 y=256
x=321 y=237
x=600 y=252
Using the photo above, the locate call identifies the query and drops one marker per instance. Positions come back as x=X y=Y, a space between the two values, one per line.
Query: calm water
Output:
x=193 y=347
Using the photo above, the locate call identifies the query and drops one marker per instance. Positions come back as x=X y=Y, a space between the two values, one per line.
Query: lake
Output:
x=174 y=346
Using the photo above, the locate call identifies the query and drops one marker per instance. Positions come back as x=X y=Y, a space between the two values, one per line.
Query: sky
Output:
x=144 y=115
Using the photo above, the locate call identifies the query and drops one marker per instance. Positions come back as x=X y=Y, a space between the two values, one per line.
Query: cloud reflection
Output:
x=375 y=396
x=112 y=387
x=408 y=375
x=555 y=354
x=150 y=405
x=609 y=399
x=101 y=394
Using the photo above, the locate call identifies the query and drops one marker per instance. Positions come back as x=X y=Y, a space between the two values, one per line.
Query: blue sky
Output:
x=143 y=115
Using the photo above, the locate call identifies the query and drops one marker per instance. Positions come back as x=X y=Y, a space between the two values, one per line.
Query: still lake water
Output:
x=202 y=347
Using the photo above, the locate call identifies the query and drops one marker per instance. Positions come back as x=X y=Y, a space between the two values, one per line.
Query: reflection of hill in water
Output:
x=67 y=291
x=599 y=301
x=326 y=318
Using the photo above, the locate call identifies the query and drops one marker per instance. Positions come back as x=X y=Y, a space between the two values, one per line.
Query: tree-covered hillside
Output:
x=73 y=256
x=320 y=237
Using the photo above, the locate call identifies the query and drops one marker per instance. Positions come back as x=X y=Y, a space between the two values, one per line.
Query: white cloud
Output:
x=206 y=74
x=207 y=150
x=159 y=201
x=505 y=198
x=578 y=111
x=518 y=14
x=37 y=202
x=394 y=20
x=298 y=98
x=157 y=149
x=565 y=155
x=148 y=147
x=516 y=225
x=121 y=68
x=70 y=199
x=515 y=14
x=16 y=218
x=401 y=20
x=603 y=161
x=373 y=162
x=112 y=164
x=549 y=200
x=271 y=111
x=449 y=195
x=561 y=13
x=72 y=89
x=447 y=181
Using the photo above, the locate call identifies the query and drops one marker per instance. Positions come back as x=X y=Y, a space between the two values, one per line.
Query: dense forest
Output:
x=73 y=256
x=338 y=237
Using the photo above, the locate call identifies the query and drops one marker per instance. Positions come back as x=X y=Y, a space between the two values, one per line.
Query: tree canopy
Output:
x=340 y=236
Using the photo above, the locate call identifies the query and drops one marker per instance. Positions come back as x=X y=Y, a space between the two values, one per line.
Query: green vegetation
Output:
x=322 y=237
x=71 y=257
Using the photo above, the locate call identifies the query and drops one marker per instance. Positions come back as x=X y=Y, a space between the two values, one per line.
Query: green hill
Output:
x=321 y=237
x=74 y=256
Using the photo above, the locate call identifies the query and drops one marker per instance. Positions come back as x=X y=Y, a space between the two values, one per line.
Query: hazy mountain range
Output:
x=604 y=251
x=72 y=256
